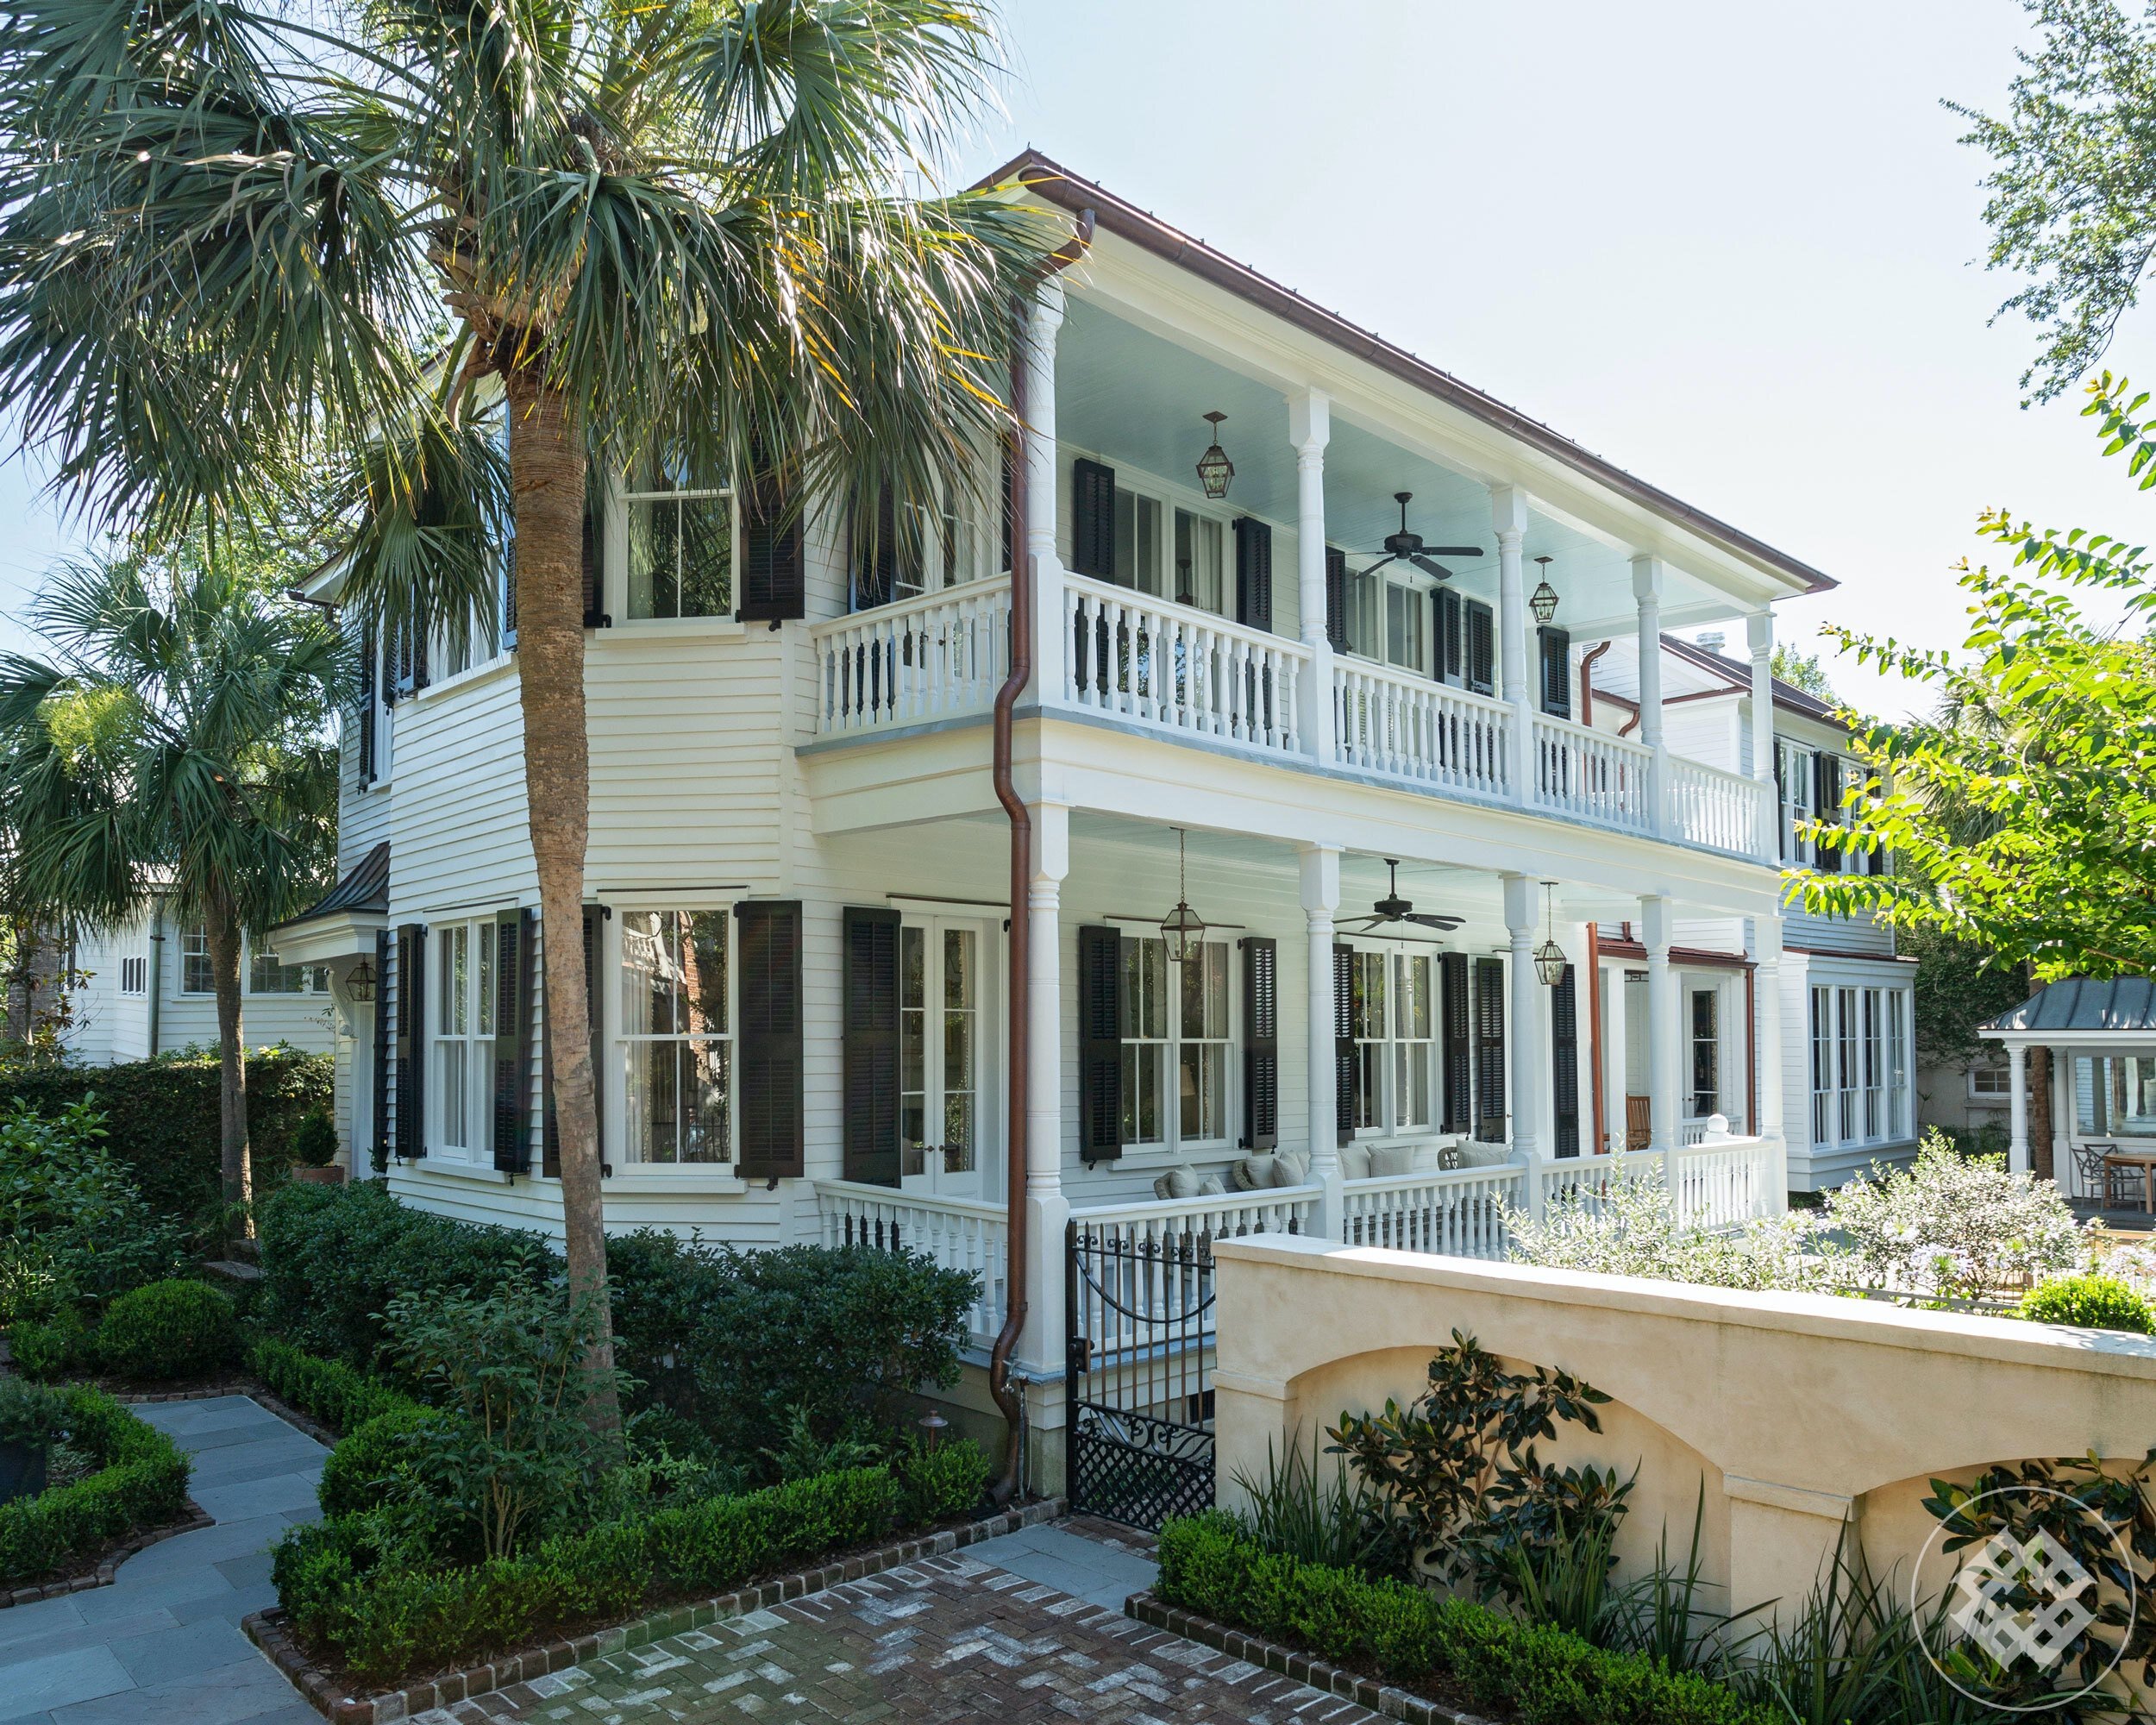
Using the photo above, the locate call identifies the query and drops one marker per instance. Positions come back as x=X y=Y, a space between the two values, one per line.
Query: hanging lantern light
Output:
x=1544 y=603
x=1548 y=957
x=359 y=982
x=1214 y=468
x=1181 y=929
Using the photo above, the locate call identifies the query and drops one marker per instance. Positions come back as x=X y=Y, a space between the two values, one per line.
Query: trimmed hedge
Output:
x=168 y=1330
x=142 y=1483
x=360 y=1472
x=161 y=1116
x=353 y=1592
x=325 y=1390
x=1408 y=1636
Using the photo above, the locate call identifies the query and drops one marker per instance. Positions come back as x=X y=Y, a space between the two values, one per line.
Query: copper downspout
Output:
x=1587 y=682
x=1019 y=947
x=1595 y=1028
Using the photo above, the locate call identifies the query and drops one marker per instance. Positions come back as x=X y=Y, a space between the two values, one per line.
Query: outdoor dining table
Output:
x=2145 y=1161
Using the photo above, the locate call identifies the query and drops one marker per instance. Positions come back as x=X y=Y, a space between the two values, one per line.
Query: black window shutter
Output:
x=1456 y=1022
x=1479 y=650
x=871 y=1051
x=1490 y=1049
x=1826 y=806
x=1260 y=1043
x=774 y=573
x=1099 y=1044
x=1093 y=519
x=772 y=1131
x=1564 y=1061
x=1446 y=605
x=876 y=555
x=1553 y=652
x=594 y=540
x=512 y=1042
x=411 y=1041
x=419 y=676
x=365 y=718
x=1336 y=580
x=550 y=1130
x=385 y=1050
x=1342 y=1042
x=1254 y=573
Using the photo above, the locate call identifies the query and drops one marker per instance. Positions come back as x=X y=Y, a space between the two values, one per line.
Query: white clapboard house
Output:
x=1241 y=700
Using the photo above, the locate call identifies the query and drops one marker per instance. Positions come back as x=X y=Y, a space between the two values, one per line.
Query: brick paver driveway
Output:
x=947 y=1640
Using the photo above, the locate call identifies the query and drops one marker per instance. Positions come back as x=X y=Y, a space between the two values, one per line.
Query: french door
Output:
x=946 y=1105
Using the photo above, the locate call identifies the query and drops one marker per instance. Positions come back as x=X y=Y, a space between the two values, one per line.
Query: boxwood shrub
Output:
x=1410 y=1637
x=168 y=1330
x=142 y=1483
x=325 y=1390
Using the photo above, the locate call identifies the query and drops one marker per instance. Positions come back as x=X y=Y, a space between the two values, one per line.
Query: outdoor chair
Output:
x=2100 y=1179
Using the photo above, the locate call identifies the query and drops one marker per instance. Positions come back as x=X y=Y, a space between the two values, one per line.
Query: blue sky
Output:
x=1730 y=247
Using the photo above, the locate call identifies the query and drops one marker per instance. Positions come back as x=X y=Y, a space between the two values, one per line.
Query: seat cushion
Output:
x=1177 y=1183
x=1253 y=1173
x=1480 y=1154
x=1392 y=1158
x=1290 y=1168
x=1354 y=1162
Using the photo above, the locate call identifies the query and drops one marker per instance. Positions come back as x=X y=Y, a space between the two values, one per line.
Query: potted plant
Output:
x=30 y=1424
x=315 y=1148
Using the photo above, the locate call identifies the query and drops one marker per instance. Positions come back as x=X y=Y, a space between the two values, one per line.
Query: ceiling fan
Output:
x=1394 y=908
x=1406 y=547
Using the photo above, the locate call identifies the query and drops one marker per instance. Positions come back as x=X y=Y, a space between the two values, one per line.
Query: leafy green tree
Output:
x=673 y=233
x=1802 y=670
x=174 y=740
x=2072 y=184
x=2021 y=814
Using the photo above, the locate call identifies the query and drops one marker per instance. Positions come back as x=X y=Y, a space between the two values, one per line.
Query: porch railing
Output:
x=1589 y=1181
x=1724 y=1182
x=1592 y=774
x=935 y=656
x=1709 y=807
x=1183 y=669
x=1458 y=1214
x=1407 y=727
x=958 y=1234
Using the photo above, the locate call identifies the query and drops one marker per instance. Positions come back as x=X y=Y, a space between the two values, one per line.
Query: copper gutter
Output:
x=1019 y=947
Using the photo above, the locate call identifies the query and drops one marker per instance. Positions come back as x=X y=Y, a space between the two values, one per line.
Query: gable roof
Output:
x=1787 y=696
x=2124 y=1005
x=1058 y=184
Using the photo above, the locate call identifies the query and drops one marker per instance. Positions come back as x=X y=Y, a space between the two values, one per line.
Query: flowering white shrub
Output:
x=2126 y=1258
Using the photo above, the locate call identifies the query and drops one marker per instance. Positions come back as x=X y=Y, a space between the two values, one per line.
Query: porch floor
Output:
x=2136 y=1220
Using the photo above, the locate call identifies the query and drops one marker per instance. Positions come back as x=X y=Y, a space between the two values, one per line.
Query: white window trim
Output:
x=139 y=966
x=1390 y=1133
x=1173 y=1148
x=721 y=1178
x=1897 y=1098
x=476 y=1042
x=613 y=538
x=1170 y=497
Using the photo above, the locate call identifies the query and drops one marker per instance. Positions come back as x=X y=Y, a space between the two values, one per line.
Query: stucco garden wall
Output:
x=1799 y=1413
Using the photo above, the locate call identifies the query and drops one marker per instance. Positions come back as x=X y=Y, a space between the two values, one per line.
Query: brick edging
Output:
x=102 y=1574
x=1393 y=1702
x=268 y=1629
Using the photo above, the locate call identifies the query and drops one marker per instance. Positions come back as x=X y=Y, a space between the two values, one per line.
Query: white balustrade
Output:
x=1592 y=774
x=957 y=1233
x=1723 y=1183
x=1589 y=1181
x=1179 y=668
x=1717 y=810
x=937 y=655
x=1459 y=1213
x=1407 y=727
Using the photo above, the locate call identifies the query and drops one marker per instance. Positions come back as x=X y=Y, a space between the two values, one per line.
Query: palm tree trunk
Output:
x=237 y=1159
x=547 y=467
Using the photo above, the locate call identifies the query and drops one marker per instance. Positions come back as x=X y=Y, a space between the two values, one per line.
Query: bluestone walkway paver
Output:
x=162 y=1645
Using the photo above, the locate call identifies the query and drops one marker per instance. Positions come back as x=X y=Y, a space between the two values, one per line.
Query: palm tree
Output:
x=174 y=742
x=660 y=228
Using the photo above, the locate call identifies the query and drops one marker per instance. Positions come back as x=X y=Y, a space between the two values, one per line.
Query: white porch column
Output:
x=1528 y=1075
x=1766 y=993
x=1759 y=635
x=1038 y=543
x=1309 y=427
x=1041 y=1342
x=1320 y=899
x=1508 y=514
x=1664 y=1032
x=1615 y=1060
x=2017 y=1072
x=1646 y=589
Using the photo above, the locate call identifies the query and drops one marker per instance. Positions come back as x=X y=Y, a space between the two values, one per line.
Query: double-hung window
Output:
x=681 y=540
x=676 y=1037
x=196 y=975
x=1795 y=764
x=1823 y=1066
x=1988 y=1083
x=1176 y=1043
x=464 y=962
x=1706 y=1054
x=1392 y=1016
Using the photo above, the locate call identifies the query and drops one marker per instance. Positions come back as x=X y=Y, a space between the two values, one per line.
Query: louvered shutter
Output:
x=1445 y=605
x=1335 y=582
x=385 y=1046
x=1342 y=1042
x=774 y=571
x=1479 y=648
x=1093 y=519
x=420 y=679
x=1253 y=574
x=1099 y=1044
x=1781 y=798
x=365 y=718
x=512 y=1042
x=508 y=596
x=871 y=1045
x=1564 y=1063
x=411 y=1041
x=876 y=555
x=594 y=949
x=1456 y=1020
x=593 y=553
x=770 y=1040
x=1490 y=1049
x=1553 y=653
x=1827 y=803
x=1260 y=1043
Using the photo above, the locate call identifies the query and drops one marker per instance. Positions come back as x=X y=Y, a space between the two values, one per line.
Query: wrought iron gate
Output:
x=1139 y=1371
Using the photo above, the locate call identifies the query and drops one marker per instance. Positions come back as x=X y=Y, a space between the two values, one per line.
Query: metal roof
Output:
x=2124 y=1005
x=365 y=890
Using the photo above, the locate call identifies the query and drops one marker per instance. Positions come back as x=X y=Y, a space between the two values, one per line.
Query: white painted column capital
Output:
x=1309 y=429
x=1529 y=1073
x=1508 y=519
x=2017 y=1072
x=1319 y=866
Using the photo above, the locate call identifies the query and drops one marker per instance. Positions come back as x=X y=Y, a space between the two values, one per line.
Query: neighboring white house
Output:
x=145 y=989
x=798 y=881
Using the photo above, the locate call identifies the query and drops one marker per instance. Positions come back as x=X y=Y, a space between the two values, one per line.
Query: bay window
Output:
x=1175 y=1030
x=676 y=1037
x=1860 y=1065
x=463 y=1032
